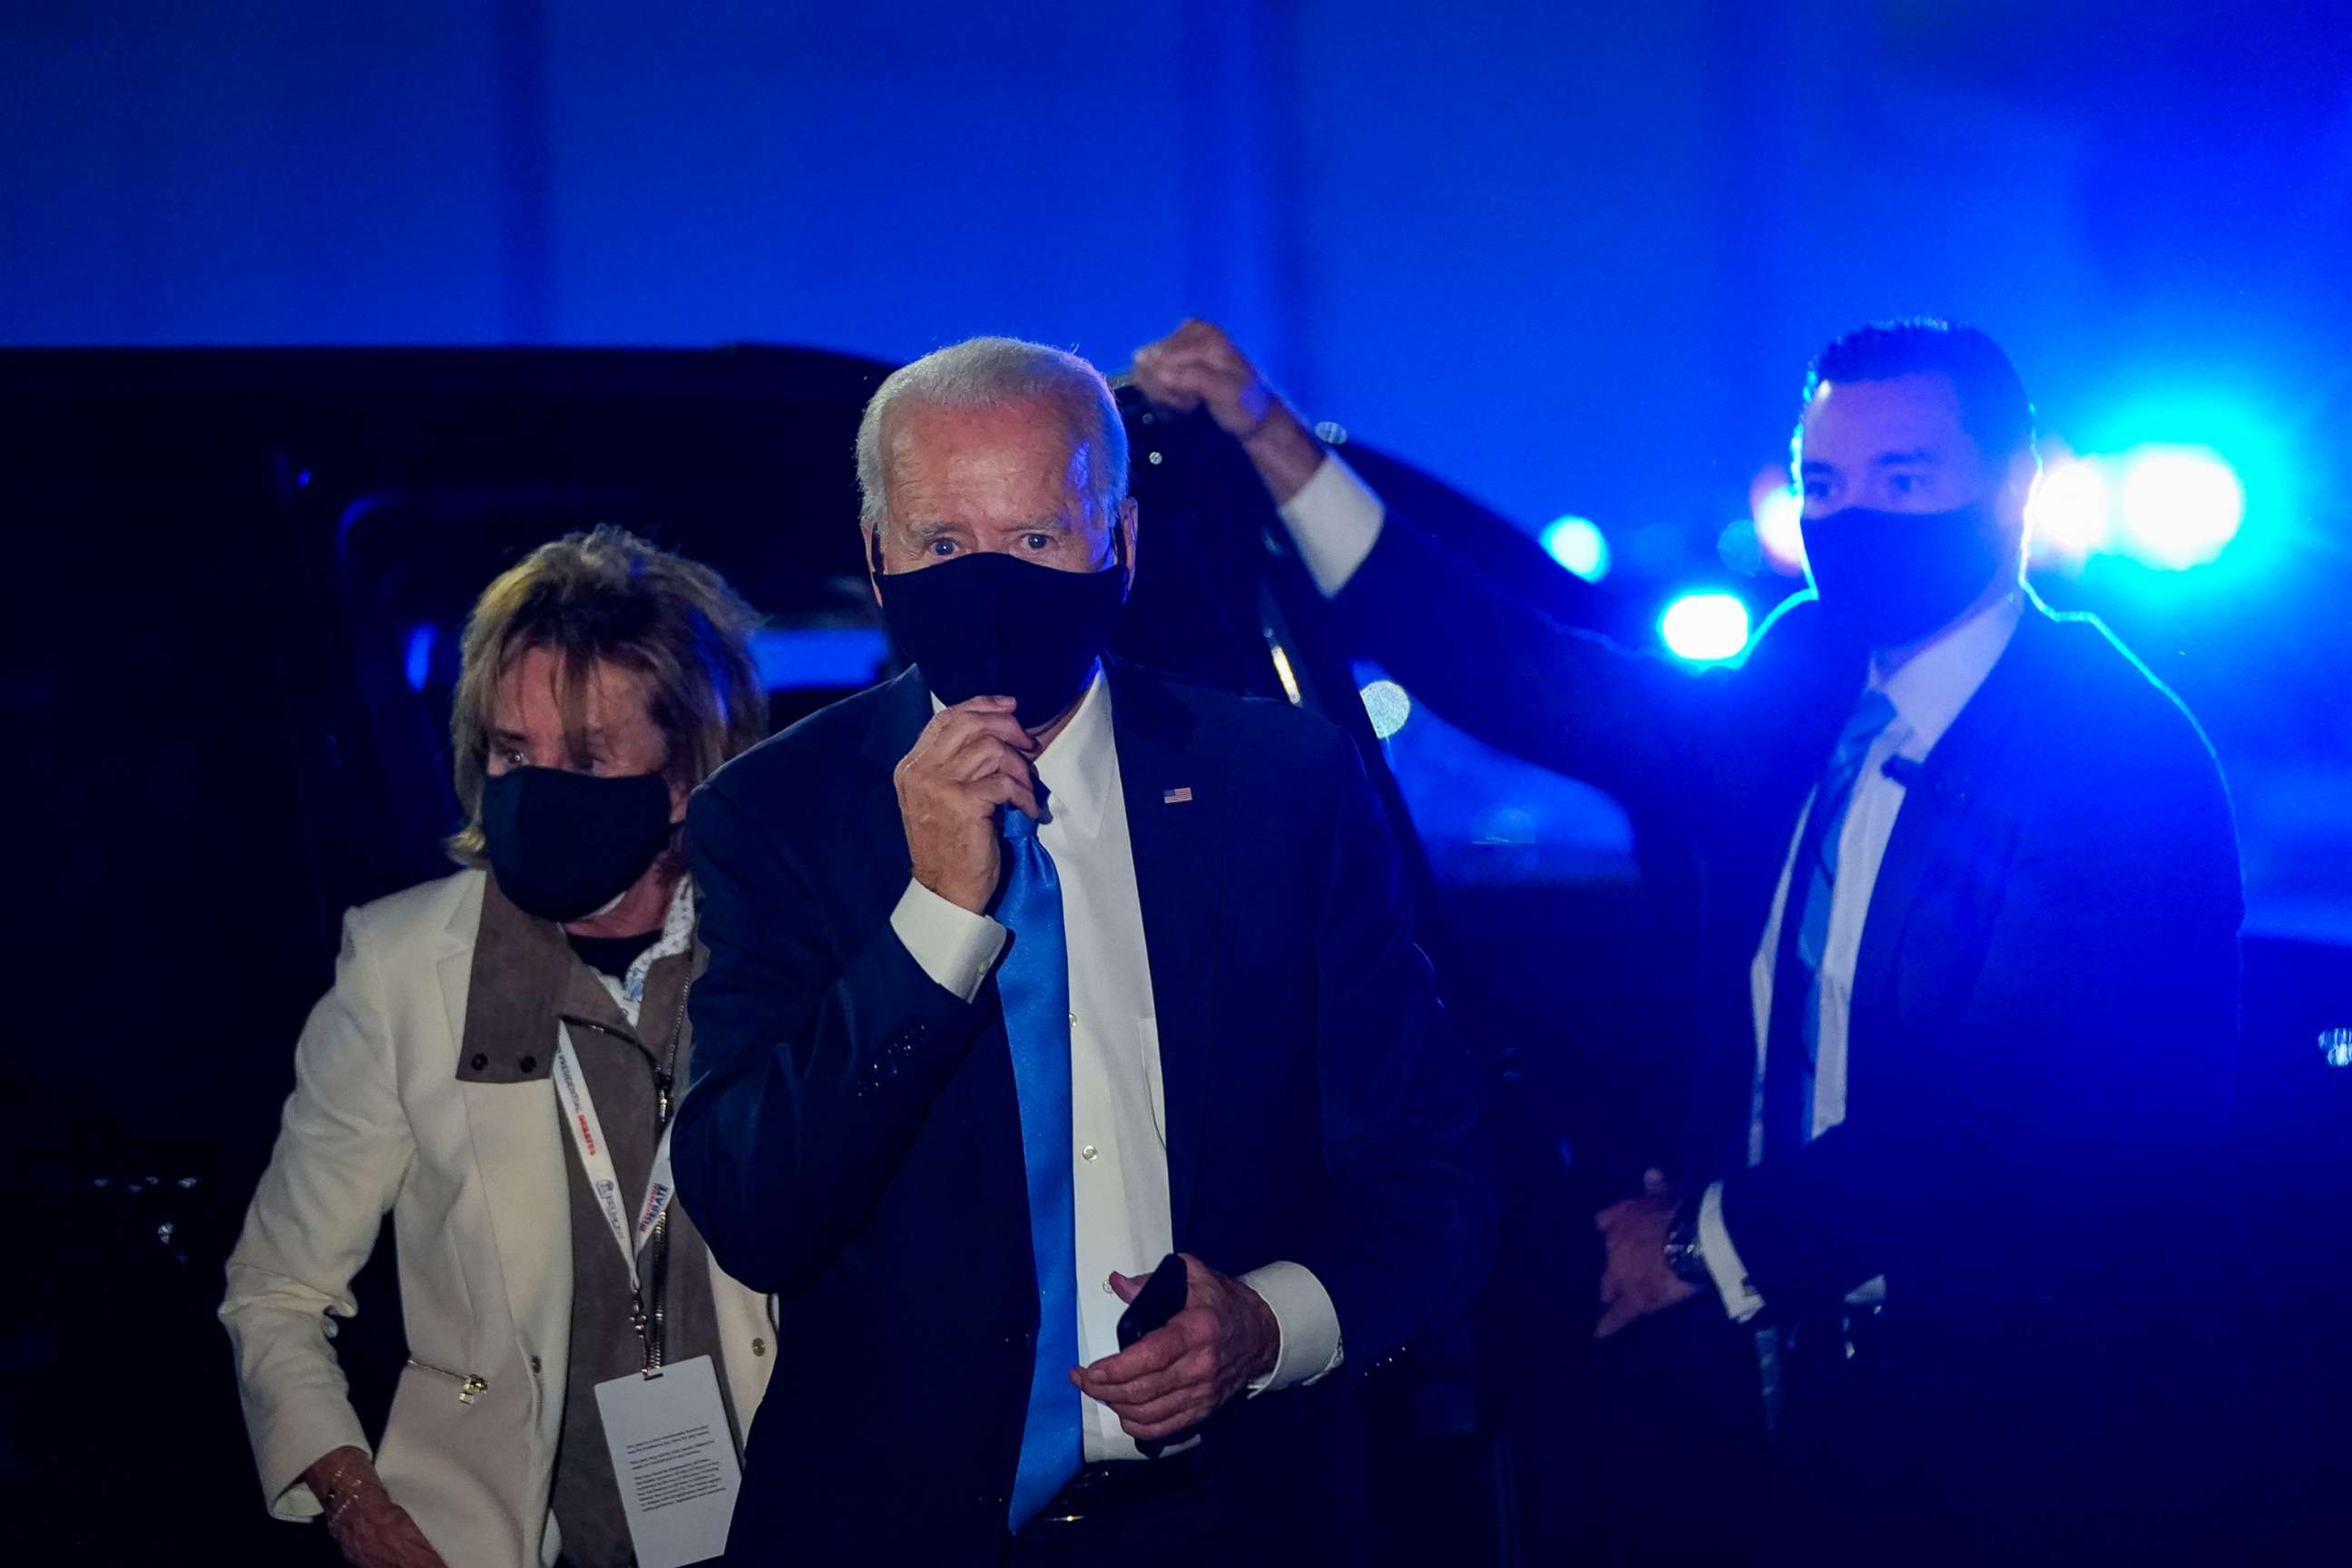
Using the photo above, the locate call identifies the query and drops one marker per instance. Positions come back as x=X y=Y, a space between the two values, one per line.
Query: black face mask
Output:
x=987 y=624
x=563 y=844
x=1893 y=577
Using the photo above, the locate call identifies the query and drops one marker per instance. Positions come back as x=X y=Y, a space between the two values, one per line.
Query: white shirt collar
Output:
x=1080 y=768
x=1936 y=682
x=628 y=991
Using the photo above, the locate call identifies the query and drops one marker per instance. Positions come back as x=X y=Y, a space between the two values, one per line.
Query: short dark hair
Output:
x=1993 y=405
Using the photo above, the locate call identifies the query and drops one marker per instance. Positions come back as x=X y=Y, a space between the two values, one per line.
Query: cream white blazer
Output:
x=474 y=1178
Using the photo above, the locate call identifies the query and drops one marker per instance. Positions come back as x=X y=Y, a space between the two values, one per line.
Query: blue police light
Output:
x=418 y=664
x=1705 y=627
x=2179 y=505
x=1388 y=706
x=2068 y=514
x=1578 y=543
x=2335 y=1047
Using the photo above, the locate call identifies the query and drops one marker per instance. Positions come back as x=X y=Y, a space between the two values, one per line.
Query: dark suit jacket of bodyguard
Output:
x=2044 y=1006
x=851 y=1138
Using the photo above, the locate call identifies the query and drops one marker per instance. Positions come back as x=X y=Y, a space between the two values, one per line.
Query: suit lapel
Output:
x=1176 y=809
x=515 y=1137
x=1949 y=788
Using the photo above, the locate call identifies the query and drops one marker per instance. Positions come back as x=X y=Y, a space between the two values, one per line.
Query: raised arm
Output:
x=1489 y=660
x=812 y=1068
x=814 y=1064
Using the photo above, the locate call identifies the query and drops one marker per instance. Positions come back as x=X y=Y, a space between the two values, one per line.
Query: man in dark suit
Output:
x=1971 y=911
x=1027 y=969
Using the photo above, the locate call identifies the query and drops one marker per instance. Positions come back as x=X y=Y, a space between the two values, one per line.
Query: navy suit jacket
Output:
x=2044 y=1006
x=851 y=1138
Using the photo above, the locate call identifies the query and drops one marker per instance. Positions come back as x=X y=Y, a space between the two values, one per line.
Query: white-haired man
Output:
x=1030 y=968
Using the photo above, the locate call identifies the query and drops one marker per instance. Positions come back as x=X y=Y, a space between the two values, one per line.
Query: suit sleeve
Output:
x=813 y=1068
x=2097 y=1039
x=1410 y=1230
x=344 y=1150
x=1490 y=661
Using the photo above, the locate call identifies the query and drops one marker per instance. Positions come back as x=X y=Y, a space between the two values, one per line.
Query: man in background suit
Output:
x=1971 y=904
x=1029 y=968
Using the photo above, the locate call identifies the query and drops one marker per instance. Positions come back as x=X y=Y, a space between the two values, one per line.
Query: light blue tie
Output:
x=1793 y=1038
x=1033 y=982
x=1871 y=715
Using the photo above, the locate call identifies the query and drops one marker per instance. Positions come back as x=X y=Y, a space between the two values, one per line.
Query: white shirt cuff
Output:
x=1334 y=520
x=955 y=947
x=1739 y=1297
x=1306 y=1320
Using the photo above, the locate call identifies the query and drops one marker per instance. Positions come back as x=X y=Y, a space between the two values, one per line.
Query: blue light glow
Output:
x=2335 y=1047
x=1578 y=543
x=2068 y=514
x=831 y=658
x=1707 y=627
x=2201 y=467
x=1779 y=514
x=2179 y=505
x=1388 y=706
x=418 y=665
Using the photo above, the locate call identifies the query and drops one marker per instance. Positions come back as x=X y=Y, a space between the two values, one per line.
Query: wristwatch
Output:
x=1683 y=1252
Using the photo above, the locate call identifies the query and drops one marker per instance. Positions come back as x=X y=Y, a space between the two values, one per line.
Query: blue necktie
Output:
x=1034 y=982
x=1792 y=1039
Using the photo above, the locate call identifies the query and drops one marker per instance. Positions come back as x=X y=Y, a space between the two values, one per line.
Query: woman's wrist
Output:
x=341 y=1480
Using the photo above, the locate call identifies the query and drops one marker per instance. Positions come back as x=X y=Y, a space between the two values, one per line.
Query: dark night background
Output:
x=1558 y=259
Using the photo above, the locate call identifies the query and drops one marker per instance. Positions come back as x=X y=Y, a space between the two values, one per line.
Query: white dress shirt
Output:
x=1119 y=1134
x=1334 y=520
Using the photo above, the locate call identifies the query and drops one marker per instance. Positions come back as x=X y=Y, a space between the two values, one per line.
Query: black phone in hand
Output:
x=1161 y=1297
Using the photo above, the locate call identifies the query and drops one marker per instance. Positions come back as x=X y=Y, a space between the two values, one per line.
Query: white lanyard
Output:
x=596 y=1162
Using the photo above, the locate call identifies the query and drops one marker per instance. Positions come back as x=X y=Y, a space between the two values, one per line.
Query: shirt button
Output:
x=480 y=1062
x=1073 y=1020
x=531 y=1063
x=1088 y=1153
x=758 y=1347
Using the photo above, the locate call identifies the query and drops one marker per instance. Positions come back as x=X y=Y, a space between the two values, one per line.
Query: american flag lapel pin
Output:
x=1176 y=796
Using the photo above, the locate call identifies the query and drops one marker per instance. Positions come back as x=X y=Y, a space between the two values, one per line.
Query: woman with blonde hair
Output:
x=495 y=1067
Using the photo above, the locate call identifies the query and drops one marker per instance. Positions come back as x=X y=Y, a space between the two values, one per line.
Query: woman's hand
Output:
x=376 y=1532
x=372 y=1531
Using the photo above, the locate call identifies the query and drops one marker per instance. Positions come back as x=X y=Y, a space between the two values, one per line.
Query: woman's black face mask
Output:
x=565 y=844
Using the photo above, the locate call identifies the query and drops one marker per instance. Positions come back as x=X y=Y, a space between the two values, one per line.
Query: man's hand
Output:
x=1197 y=366
x=372 y=1531
x=970 y=760
x=1176 y=1377
x=1636 y=1281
